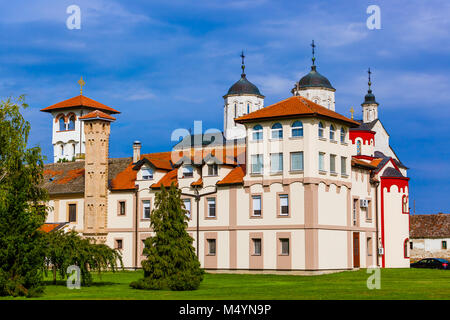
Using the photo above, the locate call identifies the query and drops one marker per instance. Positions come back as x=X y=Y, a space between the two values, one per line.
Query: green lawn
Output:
x=395 y=284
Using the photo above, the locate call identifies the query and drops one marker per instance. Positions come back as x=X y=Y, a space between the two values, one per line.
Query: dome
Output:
x=243 y=86
x=314 y=79
x=369 y=98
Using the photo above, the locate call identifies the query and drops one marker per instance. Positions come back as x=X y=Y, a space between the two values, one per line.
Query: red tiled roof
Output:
x=48 y=227
x=167 y=180
x=429 y=226
x=97 y=114
x=199 y=182
x=80 y=101
x=235 y=176
x=362 y=163
x=295 y=107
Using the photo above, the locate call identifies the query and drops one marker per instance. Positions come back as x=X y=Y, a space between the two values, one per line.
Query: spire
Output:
x=369 y=97
x=243 y=64
x=313 y=57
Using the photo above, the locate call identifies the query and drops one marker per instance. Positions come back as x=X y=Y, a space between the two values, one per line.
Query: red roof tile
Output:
x=295 y=107
x=167 y=180
x=199 y=182
x=97 y=114
x=429 y=226
x=80 y=101
x=236 y=176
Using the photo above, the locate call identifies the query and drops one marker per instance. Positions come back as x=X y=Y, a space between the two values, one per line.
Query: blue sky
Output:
x=164 y=64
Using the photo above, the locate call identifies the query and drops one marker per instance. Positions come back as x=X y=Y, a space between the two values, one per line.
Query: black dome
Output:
x=314 y=79
x=369 y=98
x=243 y=86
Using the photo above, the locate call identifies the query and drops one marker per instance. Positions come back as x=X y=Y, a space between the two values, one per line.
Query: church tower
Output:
x=315 y=87
x=369 y=106
x=96 y=131
x=243 y=97
x=67 y=129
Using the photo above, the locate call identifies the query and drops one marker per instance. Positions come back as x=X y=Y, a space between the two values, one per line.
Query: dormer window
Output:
x=277 y=131
x=188 y=172
x=147 y=174
x=257 y=132
x=213 y=169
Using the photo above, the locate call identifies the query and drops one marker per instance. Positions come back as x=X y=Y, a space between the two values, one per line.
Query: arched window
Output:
x=257 y=132
x=62 y=124
x=235 y=110
x=332 y=133
x=405 y=208
x=62 y=150
x=358 y=147
x=343 y=135
x=71 y=123
x=277 y=131
x=320 y=130
x=248 y=107
x=73 y=148
x=297 y=129
x=405 y=248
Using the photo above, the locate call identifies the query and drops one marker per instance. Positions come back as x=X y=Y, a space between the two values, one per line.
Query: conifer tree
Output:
x=22 y=205
x=171 y=260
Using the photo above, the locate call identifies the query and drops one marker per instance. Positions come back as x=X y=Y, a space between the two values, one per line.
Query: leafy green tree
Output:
x=22 y=205
x=64 y=249
x=171 y=260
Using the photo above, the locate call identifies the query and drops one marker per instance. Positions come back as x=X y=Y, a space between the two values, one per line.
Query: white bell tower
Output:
x=242 y=98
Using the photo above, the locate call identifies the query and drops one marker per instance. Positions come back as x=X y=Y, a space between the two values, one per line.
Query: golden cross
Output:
x=81 y=83
x=352 y=111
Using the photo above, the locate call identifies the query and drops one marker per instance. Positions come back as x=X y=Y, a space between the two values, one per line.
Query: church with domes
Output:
x=293 y=186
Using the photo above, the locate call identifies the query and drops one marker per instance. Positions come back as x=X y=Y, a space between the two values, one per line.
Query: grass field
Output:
x=395 y=284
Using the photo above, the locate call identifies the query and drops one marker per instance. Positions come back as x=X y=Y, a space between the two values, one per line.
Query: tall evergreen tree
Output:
x=171 y=260
x=22 y=204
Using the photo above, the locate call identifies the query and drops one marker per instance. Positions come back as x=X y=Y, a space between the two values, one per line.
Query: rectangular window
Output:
x=284 y=247
x=146 y=209
x=344 y=166
x=276 y=162
x=72 y=212
x=257 y=247
x=355 y=206
x=411 y=246
x=256 y=205
x=297 y=161
x=321 y=161
x=332 y=163
x=213 y=170
x=188 y=172
x=119 y=244
x=211 y=207
x=122 y=208
x=211 y=247
x=187 y=206
x=257 y=163
x=369 y=246
x=284 y=205
x=444 y=245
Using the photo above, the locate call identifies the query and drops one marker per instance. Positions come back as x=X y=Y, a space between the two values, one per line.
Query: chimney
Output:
x=136 y=151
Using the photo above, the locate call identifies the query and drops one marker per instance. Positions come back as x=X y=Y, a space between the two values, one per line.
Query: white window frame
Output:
x=144 y=206
x=254 y=158
x=302 y=161
x=279 y=155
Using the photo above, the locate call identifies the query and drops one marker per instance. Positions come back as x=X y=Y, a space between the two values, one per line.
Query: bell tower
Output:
x=369 y=106
x=96 y=131
x=243 y=97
